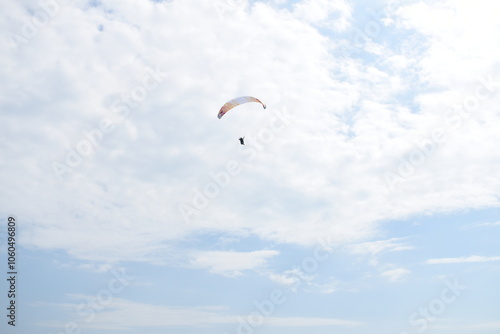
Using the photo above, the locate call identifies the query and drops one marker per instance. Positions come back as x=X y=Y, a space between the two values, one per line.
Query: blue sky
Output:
x=365 y=200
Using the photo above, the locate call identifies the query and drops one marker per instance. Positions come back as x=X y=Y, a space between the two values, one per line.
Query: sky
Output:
x=366 y=199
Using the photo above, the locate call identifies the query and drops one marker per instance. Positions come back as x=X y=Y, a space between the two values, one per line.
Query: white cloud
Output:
x=322 y=177
x=327 y=288
x=395 y=275
x=122 y=314
x=292 y=278
x=482 y=225
x=487 y=325
x=334 y=14
x=489 y=224
x=99 y=268
x=288 y=278
x=231 y=263
x=458 y=33
x=310 y=322
x=374 y=249
x=464 y=259
x=379 y=246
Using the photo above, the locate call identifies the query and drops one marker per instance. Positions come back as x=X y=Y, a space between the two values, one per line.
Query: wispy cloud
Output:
x=374 y=249
x=287 y=278
x=478 y=225
x=395 y=275
x=310 y=322
x=464 y=259
x=379 y=246
x=488 y=325
x=95 y=267
x=122 y=314
x=331 y=287
x=489 y=224
x=229 y=263
x=292 y=278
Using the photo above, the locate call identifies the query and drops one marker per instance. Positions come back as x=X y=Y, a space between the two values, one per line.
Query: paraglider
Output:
x=236 y=102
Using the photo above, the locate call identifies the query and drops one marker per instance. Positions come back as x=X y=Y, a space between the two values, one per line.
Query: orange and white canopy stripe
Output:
x=236 y=102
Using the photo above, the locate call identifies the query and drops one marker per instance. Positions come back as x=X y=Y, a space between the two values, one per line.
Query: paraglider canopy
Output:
x=236 y=102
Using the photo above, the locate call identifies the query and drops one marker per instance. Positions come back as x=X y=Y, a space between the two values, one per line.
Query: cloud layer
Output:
x=110 y=124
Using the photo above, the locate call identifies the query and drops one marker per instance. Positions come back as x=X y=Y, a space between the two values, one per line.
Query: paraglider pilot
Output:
x=242 y=140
